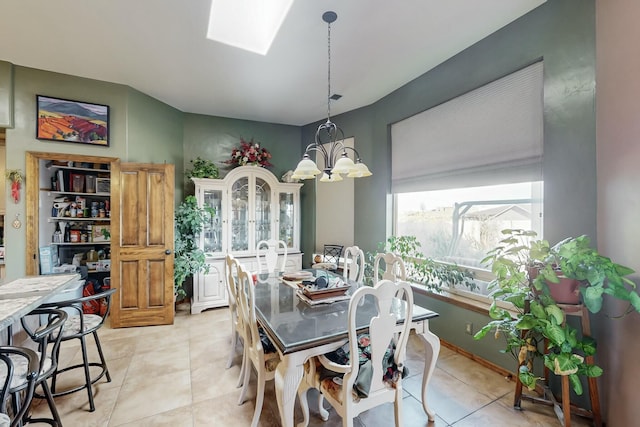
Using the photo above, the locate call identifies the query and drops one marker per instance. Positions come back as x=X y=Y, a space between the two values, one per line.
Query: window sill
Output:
x=458 y=300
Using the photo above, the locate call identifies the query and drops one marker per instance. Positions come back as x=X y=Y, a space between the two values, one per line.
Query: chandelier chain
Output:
x=328 y=71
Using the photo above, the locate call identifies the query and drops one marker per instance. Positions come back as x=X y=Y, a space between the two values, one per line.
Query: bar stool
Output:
x=18 y=366
x=47 y=338
x=78 y=326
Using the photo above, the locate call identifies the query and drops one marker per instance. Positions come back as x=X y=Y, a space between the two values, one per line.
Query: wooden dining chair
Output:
x=330 y=258
x=393 y=264
x=263 y=360
x=19 y=368
x=368 y=371
x=271 y=256
x=353 y=263
x=232 y=266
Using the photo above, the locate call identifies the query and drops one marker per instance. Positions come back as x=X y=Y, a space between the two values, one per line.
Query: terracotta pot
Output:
x=565 y=292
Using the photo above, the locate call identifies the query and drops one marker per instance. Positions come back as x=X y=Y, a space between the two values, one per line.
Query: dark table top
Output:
x=294 y=325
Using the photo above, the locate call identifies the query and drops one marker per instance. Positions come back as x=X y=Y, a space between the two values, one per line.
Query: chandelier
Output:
x=329 y=139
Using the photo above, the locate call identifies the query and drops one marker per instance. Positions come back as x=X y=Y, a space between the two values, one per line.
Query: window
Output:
x=470 y=167
x=461 y=225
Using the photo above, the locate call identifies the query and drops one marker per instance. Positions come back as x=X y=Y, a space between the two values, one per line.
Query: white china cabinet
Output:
x=250 y=205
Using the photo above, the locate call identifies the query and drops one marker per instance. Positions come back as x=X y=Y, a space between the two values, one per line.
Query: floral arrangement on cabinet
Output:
x=249 y=153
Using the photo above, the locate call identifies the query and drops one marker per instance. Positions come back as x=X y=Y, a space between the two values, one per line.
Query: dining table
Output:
x=20 y=296
x=300 y=329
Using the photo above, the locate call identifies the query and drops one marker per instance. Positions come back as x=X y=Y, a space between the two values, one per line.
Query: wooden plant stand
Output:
x=564 y=408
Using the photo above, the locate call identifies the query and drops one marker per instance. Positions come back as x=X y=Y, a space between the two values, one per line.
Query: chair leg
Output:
x=234 y=343
x=51 y=403
x=324 y=414
x=259 y=398
x=397 y=406
x=103 y=361
x=54 y=376
x=242 y=368
x=246 y=373
x=87 y=374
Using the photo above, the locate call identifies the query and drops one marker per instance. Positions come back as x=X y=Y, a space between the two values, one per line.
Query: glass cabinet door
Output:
x=286 y=218
x=212 y=230
x=240 y=215
x=262 y=211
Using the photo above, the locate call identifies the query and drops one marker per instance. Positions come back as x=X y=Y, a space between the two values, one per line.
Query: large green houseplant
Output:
x=189 y=258
x=431 y=274
x=525 y=268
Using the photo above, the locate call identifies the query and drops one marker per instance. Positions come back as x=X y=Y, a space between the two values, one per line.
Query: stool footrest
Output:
x=104 y=371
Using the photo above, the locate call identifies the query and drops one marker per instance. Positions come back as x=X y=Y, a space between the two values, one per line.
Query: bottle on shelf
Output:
x=57 y=234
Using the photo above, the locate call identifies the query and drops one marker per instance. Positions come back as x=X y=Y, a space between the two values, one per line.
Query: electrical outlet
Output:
x=469 y=328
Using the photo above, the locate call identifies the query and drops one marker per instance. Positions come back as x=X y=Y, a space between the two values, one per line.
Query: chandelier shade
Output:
x=329 y=140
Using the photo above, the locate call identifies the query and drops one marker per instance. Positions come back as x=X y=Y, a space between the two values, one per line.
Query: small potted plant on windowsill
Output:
x=524 y=269
x=426 y=273
x=189 y=258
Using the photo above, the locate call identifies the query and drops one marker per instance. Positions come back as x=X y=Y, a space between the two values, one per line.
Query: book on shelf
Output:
x=60 y=180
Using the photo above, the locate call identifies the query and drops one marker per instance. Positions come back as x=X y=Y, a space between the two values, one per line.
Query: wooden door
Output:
x=142 y=249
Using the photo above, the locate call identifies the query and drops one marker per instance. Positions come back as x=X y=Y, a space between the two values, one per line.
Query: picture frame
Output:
x=65 y=120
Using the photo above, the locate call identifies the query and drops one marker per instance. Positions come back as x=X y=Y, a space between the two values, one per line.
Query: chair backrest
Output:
x=353 y=268
x=389 y=299
x=267 y=253
x=332 y=254
x=233 y=269
x=393 y=267
x=231 y=275
x=81 y=323
x=14 y=362
x=47 y=336
x=247 y=311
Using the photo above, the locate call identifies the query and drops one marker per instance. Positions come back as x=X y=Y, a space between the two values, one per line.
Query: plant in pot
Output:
x=202 y=168
x=431 y=274
x=526 y=269
x=189 y=258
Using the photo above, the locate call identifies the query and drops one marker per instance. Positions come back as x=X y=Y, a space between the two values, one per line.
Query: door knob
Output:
x=168 y=251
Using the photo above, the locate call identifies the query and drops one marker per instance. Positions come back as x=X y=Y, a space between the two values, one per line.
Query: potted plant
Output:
x=431 y=274
x=189 y=258
x=202 y=168
x=524 y=268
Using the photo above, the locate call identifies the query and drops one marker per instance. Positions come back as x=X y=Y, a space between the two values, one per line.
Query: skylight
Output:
x=247 y=24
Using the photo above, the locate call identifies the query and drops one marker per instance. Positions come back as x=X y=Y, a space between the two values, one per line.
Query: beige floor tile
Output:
x=180 y=417
x=74 y=408
x=493 y=384
x=75 y=377
x=145 y=396
x=224 y=411
x=174 y=358
x=449 y=397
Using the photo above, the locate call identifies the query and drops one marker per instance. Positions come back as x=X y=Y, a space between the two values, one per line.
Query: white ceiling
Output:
x=159 y=47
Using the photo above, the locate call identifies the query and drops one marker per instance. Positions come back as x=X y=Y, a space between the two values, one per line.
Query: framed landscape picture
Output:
x=65 y=120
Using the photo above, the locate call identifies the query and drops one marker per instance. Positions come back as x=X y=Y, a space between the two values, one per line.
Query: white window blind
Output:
x=491 y=135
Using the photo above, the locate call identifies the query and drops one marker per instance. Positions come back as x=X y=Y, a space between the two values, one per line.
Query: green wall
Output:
x=6 y=94
x=141 y=129
x=213 y=138
x=562 y=33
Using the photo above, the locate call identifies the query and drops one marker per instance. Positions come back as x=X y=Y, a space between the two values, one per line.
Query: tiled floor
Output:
x=175 y=376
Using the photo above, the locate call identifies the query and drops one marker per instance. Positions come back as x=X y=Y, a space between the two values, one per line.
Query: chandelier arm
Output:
x=346 y=147
x=316 y=147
